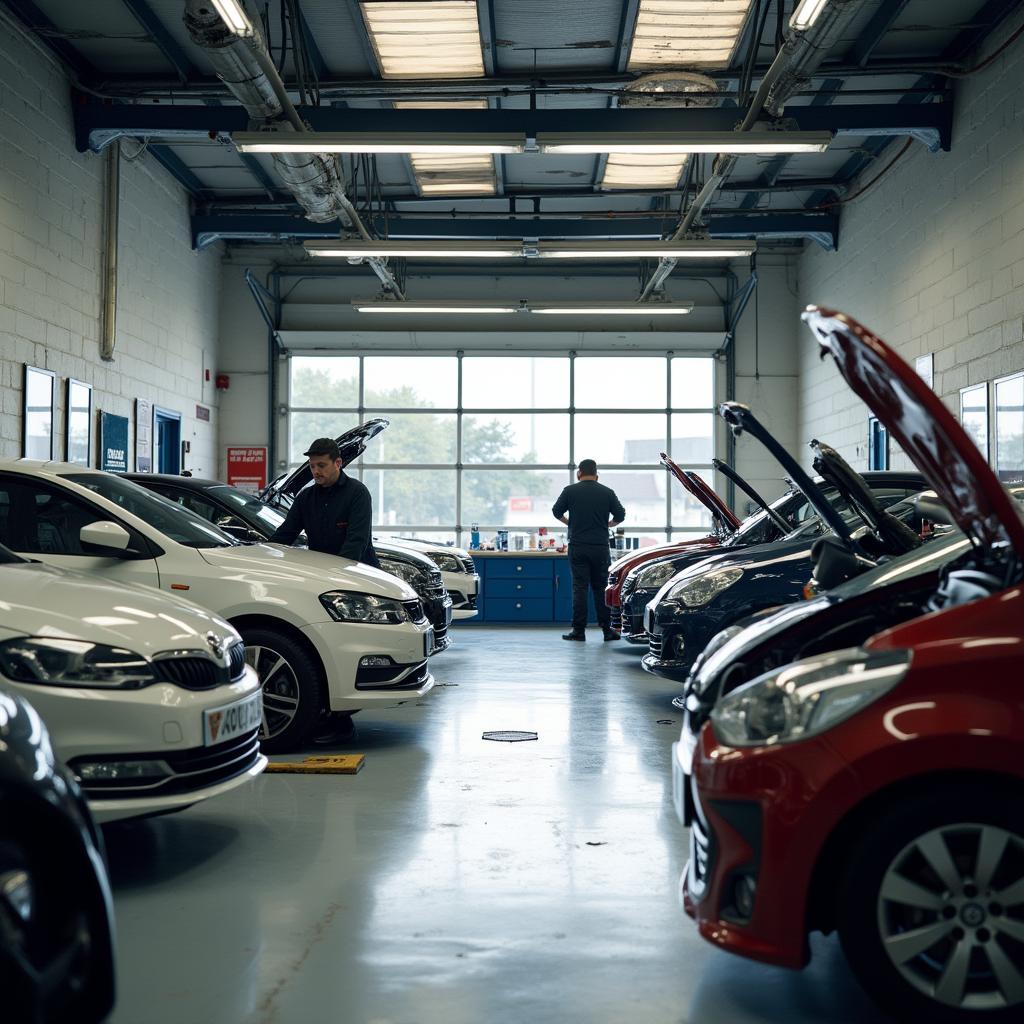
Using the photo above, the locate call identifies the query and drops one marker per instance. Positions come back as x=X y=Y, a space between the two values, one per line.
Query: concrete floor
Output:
x=453 y=880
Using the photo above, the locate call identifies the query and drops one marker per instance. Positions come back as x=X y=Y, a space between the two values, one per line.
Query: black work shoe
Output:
x=574 y=636
x=679 y=702
x=334 y=729
x=610 y=634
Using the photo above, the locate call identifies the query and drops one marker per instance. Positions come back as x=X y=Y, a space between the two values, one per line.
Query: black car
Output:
x=56 y=919
x=714 y=592
x=246 y=518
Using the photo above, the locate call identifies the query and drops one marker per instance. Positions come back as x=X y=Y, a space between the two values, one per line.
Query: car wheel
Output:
x=55 y=964
x=292 y=688
x=931 y=909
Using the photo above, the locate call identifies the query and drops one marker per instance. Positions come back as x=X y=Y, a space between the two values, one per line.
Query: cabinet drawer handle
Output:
x=519 y=568
x=519 y=604
x=519 y=586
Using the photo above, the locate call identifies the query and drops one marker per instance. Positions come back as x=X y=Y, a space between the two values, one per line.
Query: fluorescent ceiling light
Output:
x=613 y=309
x=232 y=13
x=428 y=249
x=700 y=248
x=686 y=33
x=433 y=39
x=637 y=170
x=806 y=14
x=442 y=307
x=686 y=142
x=376 y=142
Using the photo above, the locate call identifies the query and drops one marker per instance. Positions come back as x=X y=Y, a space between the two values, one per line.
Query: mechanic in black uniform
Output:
x=336 y=513
x=592 y=508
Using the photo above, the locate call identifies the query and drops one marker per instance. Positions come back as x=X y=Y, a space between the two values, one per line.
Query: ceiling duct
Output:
x=243 y=63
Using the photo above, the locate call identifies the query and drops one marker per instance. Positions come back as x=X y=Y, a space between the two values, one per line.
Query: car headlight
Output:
x=807 y=698
x=403 y=570
x=655 y=575
x=56 y=661
x=706 y=587
x=444 y=561
x=345 y=606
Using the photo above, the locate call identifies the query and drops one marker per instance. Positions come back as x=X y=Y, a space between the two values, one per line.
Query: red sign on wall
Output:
x=247 y=468
x=520 y=504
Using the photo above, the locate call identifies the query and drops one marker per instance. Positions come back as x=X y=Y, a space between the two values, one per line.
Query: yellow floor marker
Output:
x=325 y=764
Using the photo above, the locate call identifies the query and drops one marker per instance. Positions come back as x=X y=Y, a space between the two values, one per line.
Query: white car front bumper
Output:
x=351 y=686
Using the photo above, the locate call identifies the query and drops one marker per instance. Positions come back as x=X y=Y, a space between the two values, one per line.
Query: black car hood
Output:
x=351 y=444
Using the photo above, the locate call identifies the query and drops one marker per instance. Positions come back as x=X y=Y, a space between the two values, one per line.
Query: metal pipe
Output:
x=108 y=338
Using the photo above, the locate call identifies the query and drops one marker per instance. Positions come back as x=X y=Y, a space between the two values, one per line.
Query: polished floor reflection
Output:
x=453 y=880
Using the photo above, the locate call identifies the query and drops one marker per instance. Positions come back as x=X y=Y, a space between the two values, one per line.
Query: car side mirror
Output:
x=236 y=528
x=105 y=538
x=834 y=563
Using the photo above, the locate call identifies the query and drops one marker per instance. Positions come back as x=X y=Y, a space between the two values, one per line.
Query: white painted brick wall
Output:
x=51 y=236
x=931 y=259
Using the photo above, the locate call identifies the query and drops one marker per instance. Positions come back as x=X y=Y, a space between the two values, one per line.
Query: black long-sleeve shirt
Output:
x=590 y=505
x=337 y=520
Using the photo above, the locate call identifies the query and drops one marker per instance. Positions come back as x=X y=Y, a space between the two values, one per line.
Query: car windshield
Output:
x=175 y=522
x=793 y=507
x=248 y=506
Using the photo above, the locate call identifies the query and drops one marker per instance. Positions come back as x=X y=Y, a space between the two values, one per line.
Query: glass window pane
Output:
x=414 y=438
x=515 y=382
x=645 y=539
x=642 y=493
x=1010 y=428
x=411 y=497
x=515 y=437
x=407 y=382
x=974 y=414
x=693 y=435
x=306 y=427
x=616 y=382
x=499 y=498
x=444 y=537
x=693 y=383
x=687 y=511
x=625 y=438
x=331 y=381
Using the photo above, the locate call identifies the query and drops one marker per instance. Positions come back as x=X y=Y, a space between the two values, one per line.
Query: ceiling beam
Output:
x=315 y=56
x=207 y=228
x=626 y=29
x=96 y=124
x=164 y=41
x=881 y=21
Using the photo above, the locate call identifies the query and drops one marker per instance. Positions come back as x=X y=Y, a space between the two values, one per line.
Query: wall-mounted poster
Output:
x=974 y=414
x=143 y=436
x=40 y=386
x=113 y=443
x=1009 y=397
x=78 y=425
x=247 y=468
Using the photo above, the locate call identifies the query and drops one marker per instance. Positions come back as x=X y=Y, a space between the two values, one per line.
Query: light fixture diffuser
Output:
x=699 y=248
x=806 y=14
x=686 y=33
x=425 y=38
x=616 y=309
x=443 y=307
x=421 y=248
x=737 y=143
x=232 y=13
x=378 y=142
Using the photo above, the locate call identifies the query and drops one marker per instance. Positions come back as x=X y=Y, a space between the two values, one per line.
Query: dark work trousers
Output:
x=589 y=565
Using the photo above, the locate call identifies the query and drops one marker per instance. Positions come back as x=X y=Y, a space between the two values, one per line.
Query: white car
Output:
x=147 y=697
x=323 y=633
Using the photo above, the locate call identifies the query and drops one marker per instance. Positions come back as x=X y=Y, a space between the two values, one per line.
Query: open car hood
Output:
x=924 y=428
x=704 y=494
x=352 y=444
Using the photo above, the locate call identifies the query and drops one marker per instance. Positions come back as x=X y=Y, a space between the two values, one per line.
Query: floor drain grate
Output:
x=509 y=736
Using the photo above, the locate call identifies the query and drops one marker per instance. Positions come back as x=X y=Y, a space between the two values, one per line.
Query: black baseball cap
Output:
x=324 y=446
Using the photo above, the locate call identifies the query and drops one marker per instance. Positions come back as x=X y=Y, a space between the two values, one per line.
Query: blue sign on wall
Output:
x=113 y=443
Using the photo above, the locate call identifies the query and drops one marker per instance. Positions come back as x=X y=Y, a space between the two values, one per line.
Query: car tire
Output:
x=931 y=908
x=293 y=690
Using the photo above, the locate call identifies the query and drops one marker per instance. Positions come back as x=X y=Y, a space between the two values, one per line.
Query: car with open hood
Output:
x=246 y=518
x=875 y=788
x=148 y=698
x=458 y=573
x=706 y=595
x=56 y=916
x=324 y=634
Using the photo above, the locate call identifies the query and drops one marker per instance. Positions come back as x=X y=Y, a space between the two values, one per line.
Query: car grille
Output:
x=628 y=586
x=190 y=769
x=414 y=609
x=434 y=579
x=655 y=644
x=615 y=617
x=379 y=678
x=613 y=578
x=200 y=672
x=701 y=850
x=468 y=565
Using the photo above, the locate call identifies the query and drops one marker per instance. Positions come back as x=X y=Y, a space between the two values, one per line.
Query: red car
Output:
x=879 y=790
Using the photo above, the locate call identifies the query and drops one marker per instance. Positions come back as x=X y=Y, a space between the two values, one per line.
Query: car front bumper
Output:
x=464 y=589
x=350 y=686
x=675 y=638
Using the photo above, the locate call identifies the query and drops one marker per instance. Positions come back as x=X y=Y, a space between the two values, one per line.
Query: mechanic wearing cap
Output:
x=336 y=512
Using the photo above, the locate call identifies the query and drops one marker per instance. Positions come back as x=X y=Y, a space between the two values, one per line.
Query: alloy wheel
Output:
x=951 y=916
x=280 y=686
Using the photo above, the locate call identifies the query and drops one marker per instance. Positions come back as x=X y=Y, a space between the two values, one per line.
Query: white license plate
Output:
x=225 y=723
x=428 y=642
